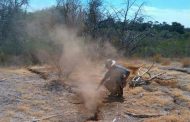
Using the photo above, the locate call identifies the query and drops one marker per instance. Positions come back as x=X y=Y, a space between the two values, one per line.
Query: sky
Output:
x=158 y=10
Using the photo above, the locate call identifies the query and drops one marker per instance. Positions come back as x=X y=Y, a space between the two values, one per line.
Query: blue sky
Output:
x=160 y=10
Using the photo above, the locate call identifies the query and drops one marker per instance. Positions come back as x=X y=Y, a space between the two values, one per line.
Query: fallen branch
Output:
x=45 y=118
x=184 y=70
x=48 y=117
x=2 y=80
x=138 y=80
x=142 y=115
x=42 y=74
x=156 y=76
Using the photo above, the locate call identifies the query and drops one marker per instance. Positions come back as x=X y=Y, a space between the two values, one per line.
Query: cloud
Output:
x=169 y=15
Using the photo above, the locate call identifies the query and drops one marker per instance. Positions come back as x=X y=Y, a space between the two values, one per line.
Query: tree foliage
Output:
x=126 y=29
x=12 y=13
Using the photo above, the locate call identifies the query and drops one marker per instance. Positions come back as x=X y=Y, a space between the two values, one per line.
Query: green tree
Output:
x=177 y=27
x=11 y=28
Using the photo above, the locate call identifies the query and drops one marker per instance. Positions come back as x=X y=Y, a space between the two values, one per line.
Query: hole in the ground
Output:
x=55 y=85
x=96 y=116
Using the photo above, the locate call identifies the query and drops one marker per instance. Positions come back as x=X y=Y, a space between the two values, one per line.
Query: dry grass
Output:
x=5 y=119
x=23 y=108
x=165 y=61
x=177 y=92
x=159 y=59
x=140 y=101
x=27 y=110
x=18 y=71
x=25 y=88
x=182 y=116
x=136 y=91
x=27 y=96
x=180 y=96
x=185 y=114
x=171 y=83
x=184 y=98
x=187 y=87
x=149 y=98
x=10 y=113
x=185 y=62
x=154 y=99
x=38 y=102
x=37 y=113
x=47 y=108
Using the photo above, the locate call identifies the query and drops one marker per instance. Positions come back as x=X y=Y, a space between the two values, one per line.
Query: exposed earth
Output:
x=26 y=96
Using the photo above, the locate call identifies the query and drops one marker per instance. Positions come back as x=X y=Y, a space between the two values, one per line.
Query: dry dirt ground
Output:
x=27 y=97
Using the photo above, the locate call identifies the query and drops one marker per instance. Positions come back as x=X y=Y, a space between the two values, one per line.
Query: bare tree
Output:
x=71 y=12
x=130 y=15
x=93 y=16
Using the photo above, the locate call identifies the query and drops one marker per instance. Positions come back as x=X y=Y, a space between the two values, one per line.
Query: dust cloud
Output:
x=78 y=55
x=77 y=58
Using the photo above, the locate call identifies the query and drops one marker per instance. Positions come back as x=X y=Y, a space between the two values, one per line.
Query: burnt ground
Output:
x=25 y=96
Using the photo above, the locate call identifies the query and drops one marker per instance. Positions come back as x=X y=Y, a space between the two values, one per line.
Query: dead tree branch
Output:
x=142 y=115
x=184 y=70
x=138 y=80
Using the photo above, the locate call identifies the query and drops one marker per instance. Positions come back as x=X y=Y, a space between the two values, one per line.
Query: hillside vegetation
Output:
x=25 y=34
